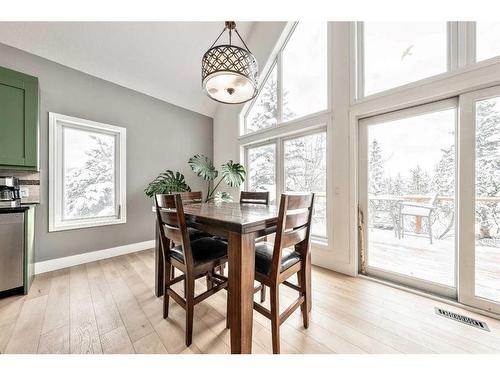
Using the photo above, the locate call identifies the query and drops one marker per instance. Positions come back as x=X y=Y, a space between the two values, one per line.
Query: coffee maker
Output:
x=9 y=192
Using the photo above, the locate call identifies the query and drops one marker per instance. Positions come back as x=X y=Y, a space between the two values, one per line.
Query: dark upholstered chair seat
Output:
x=195 y=234
x=264 y=258
x=204 y=250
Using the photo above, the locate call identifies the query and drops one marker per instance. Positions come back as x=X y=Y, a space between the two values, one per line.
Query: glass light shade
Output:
x=229 y=87
x=229 y=74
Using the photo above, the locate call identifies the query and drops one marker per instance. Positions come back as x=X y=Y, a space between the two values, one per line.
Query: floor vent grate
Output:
x=462 y=318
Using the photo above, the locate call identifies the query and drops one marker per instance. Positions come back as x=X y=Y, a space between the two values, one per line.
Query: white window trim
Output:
x=56 y=124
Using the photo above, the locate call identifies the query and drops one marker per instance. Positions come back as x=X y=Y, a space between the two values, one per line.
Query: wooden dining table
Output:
x=241 y=224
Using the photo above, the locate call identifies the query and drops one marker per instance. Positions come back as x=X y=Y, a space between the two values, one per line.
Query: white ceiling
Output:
x=160 y=59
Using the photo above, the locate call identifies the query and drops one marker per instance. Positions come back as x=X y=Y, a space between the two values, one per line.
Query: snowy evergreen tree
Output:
x=89 y=191
x=444 y=173
x=398 y=185
x=264 y=113
x=306 y=164
x=488 y=167
x=443 y=184
x=262 y=161
x=419 y=182
x=376 y=168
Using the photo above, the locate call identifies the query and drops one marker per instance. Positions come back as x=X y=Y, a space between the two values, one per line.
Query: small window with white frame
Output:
x=87 y=178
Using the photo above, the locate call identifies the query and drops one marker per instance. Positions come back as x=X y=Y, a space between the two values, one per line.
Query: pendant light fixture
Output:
x=229 y=73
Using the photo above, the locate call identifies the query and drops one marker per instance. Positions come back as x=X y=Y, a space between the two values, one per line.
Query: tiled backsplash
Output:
x=29 y=183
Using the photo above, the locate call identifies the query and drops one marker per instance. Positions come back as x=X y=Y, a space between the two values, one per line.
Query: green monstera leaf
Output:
x=222 y=196
x=167 y=182
x=233 y=173
x=203 y=167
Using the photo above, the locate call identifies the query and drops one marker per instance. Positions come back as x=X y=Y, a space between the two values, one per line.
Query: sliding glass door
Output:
x=407 y=194
x=480 y=199
x=431 y=205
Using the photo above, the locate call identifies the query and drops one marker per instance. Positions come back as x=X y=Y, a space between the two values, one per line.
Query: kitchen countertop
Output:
x=10 y=210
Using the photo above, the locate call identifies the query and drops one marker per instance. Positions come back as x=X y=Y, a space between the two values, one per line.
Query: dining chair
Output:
x=194 y=258
x=191 y=197
x=276 y=263
x=256 y=197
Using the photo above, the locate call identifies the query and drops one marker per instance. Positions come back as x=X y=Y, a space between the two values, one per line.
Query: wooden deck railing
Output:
x=424 y=199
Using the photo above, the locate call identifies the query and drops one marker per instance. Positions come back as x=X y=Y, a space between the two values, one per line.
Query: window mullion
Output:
x=280 y=169
x=360 y=60
x=454 y=46
x=279 y=87
x=471 y=42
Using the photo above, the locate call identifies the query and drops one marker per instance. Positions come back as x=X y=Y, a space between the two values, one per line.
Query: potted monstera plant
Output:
x=233 y=174
x=167 y=182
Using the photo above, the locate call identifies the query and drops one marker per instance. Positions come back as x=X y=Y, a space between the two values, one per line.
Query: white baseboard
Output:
x=74 y=260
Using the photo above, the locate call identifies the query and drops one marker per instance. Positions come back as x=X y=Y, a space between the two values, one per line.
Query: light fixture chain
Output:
x=222 y=32
x=242 y=41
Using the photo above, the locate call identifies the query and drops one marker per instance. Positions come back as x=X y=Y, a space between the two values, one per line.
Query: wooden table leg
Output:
x=158 y=265
x=241 y=281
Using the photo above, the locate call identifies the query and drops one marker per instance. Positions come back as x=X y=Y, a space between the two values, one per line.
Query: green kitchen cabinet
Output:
x=18 y=120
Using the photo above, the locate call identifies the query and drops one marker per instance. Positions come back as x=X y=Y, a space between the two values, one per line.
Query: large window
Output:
x=295 y=90
x=305 y=170
x=393 y=54
x=304 y=65
x=302 y=167
x=487 y=40
x=87 y=173
x=296 y=85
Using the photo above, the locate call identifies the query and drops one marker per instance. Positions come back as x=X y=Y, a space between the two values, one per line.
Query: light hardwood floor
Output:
x=109 y=307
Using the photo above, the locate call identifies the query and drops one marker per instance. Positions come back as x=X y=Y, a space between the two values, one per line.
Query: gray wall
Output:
x=159 y=136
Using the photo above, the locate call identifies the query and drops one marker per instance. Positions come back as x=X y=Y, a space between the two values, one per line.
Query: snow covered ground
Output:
x=416 y=257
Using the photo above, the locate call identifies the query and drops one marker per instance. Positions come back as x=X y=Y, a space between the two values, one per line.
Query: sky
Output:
x=414 y=141
x=396 y=53
x=488 y=40
x=305 y=68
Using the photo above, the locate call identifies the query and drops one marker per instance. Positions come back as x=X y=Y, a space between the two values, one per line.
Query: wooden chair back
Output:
x=256 y=197
x=190 y=197
x=172 y=225
x=294 y=227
